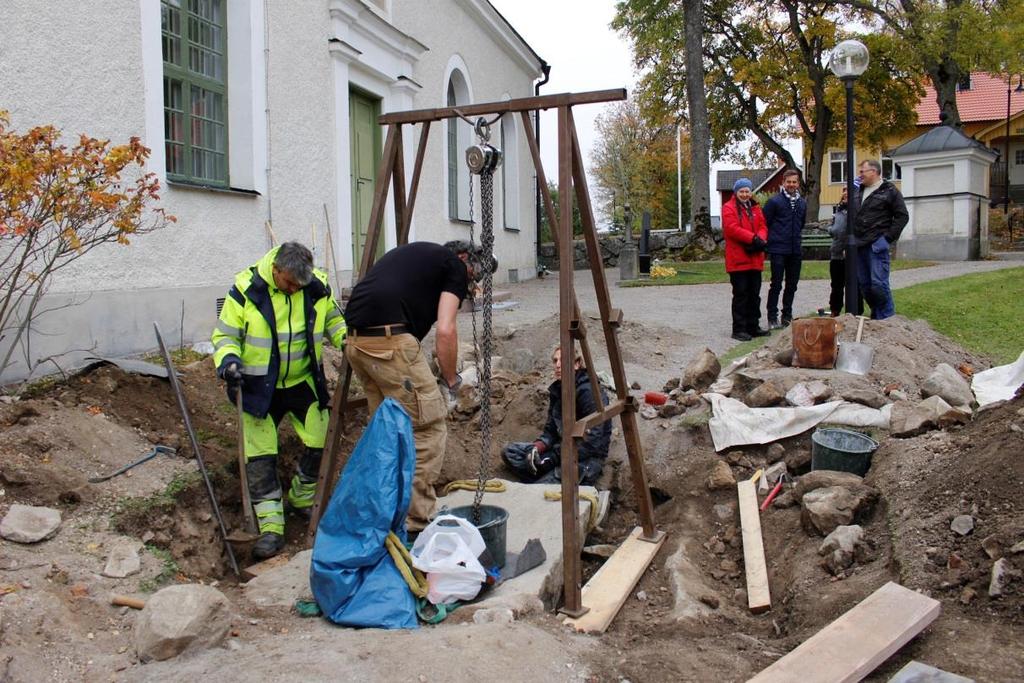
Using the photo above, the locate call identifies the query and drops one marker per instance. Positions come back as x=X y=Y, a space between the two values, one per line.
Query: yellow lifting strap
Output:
x=492 y=486
x=403 y=560
x=585 y=495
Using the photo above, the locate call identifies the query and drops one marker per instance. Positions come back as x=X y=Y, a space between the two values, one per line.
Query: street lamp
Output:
x=1006 y=180
x=849 y=59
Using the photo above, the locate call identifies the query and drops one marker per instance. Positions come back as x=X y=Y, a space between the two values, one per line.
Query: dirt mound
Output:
x=931 y=479
x=906 y=352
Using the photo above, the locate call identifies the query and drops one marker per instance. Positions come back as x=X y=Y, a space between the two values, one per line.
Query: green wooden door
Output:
x=365 y=156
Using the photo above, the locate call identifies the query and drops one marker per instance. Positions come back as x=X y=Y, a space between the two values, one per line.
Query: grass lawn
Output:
x=983 y=312
x=704 y=272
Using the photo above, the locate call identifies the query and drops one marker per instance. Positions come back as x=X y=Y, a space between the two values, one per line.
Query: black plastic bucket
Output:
x=492 y=527
x=841 y=450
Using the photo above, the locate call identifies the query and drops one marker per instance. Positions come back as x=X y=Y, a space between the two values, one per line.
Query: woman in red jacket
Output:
x=745 y=239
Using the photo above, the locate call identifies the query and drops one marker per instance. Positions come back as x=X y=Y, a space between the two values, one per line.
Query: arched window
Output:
x=509 y=172
x=457 y=93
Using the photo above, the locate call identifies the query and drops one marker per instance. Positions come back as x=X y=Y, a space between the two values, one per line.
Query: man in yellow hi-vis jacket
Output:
x=269 y=342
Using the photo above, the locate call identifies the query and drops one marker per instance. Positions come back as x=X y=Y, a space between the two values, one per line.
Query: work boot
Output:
x=786 y=322
x=774 y=325
x=759 y=332
x=741 y=336
x=268 y=545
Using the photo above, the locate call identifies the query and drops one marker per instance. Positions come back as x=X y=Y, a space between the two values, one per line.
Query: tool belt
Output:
x=380 y=331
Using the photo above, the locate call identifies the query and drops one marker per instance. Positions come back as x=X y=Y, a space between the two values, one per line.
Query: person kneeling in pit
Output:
x=539 y=461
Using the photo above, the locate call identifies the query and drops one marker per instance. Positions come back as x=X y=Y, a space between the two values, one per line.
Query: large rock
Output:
x=944 y=414
x=28 y=524
x=908 y=419
x=867 y=397
x=819 y=479
x=702 y=372
x=827 y=508
x=521 y=361
x=765 y=395
x=720 y=477
x=180 y=619
x=946 y=382
x=281 y=586
x=123 y=559
x=1003 y=572
x=839 y=547
x=809 y=393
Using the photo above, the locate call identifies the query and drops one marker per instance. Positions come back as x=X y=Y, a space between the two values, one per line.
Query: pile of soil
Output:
x=906 y=352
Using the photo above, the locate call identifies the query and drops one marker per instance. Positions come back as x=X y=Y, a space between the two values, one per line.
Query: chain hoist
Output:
x=483 y=158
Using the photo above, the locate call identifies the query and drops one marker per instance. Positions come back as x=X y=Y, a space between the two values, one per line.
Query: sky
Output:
x=575 y=38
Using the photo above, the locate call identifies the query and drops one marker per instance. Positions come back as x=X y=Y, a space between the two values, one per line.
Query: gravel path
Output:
x=682 y=320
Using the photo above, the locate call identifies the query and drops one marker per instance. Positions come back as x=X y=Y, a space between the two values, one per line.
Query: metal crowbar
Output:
x=157 y=450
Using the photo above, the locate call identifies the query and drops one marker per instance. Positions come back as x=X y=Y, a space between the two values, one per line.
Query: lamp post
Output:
x=1006 y=180
x=849 y=59
x=679 y=176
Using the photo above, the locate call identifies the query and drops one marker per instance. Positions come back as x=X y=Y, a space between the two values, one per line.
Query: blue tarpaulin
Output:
x=353 y=578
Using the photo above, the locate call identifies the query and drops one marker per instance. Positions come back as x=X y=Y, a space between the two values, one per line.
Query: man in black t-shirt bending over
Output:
x=391 y=310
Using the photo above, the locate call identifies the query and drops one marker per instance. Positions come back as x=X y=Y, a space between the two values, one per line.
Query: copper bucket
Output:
x=815 y=343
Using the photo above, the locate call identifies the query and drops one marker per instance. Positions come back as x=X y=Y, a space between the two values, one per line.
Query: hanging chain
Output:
x=483 y=159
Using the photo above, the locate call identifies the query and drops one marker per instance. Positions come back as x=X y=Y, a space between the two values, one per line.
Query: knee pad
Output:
x=263 y=481
x=309 y=464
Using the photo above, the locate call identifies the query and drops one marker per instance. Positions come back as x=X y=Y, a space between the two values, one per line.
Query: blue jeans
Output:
x=873 y=278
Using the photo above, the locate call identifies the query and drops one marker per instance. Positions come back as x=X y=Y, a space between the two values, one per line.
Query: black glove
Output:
x=757 y=245
x=232 y=374
x=540 y=463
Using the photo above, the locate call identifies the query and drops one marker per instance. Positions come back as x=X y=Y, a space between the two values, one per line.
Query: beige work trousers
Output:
x=394 y=366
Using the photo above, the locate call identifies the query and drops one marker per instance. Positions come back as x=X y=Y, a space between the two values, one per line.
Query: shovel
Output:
x=248 y=533
x=855 y=358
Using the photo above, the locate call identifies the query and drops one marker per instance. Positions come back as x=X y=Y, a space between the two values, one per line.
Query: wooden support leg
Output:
x=329 y=462
x=572 y=575
x=628 y=417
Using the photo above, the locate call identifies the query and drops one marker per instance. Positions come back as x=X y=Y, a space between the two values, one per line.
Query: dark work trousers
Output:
x=837 y=298
x=783 y=266
x=746 y=300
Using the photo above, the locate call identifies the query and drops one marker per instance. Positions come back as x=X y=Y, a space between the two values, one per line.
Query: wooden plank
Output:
x=254 y=570
x=584 y=423
x=759 y=597
x=856 y=643
x=566 y=99
x=607 y=591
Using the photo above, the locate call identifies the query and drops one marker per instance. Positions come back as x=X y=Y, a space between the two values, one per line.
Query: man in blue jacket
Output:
x=785 y=214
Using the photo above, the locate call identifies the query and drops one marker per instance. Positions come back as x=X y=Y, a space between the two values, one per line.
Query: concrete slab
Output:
x=918 y=672
x=283 y=585
x=530 y=516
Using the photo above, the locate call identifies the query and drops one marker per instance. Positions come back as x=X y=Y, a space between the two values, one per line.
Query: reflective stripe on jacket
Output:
x=276 y=338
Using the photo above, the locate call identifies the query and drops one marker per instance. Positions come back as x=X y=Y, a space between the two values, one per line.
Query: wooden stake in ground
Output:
x=855 y=644
x=759 y=597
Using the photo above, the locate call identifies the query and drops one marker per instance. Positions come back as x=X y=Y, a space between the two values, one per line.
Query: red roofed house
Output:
x=981 y=101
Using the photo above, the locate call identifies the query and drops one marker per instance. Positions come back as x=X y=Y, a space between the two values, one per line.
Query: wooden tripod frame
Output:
x=571 y=176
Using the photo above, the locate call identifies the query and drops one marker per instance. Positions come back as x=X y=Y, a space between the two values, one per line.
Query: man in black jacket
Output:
x=539 y=461
x=785 y=214
x=881 y=217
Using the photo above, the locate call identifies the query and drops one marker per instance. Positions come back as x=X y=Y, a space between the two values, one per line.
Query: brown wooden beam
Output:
x=414 y=184
x=398 y=178
x=567 y=99
x=373 y=230
x=614 y=409
x=572 y=571
x=630 y=429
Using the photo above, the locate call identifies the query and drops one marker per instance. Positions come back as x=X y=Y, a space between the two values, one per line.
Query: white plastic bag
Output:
x=447 y=551
x=450 y=524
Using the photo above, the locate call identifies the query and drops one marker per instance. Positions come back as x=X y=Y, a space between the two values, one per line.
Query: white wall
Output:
x=452 y=28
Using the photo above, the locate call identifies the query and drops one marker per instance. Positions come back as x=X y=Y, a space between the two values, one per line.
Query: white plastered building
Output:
x=261 y=118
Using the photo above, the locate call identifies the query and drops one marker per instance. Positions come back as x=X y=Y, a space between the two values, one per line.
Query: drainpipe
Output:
x=546 y=70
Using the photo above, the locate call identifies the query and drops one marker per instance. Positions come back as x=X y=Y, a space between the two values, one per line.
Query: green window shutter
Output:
x=194 y=45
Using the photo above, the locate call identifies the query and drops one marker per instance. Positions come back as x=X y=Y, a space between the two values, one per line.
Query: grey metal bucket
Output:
x=841 y=450
x=493 y=526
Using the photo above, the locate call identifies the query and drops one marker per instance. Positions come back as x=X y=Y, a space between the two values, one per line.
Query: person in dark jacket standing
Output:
x=785 y=214
x=539 y=461
x=837 y=262
x=745 y=234
x=881 y=216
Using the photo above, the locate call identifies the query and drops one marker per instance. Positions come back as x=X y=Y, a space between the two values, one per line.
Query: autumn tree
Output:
x=58 y=202
x=634 y=162
x=546 y=230
x=767 y=77
x=947 y=39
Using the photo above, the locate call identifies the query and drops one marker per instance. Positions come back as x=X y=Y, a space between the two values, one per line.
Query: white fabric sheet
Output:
x=998 y=383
